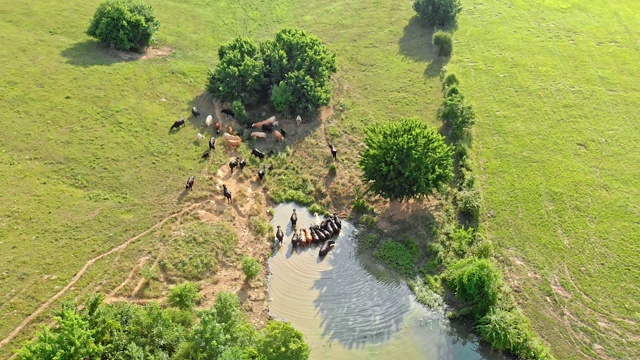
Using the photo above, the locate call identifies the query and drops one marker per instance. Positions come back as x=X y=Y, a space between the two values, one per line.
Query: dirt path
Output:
x=84 y=269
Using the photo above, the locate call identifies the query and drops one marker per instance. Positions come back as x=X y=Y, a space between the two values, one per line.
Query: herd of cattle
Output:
x=315 y=234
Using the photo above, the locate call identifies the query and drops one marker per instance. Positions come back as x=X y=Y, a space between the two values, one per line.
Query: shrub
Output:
x=437 y=12
x=475 y=282
x=450 y=80
x=442 y=42
x=469 y=202
x=183 y=296
x=250 y=267
x=126 y=25
x=281 y=341
x=281 y=97
x=451 y=90
x=405 y=159
x=400 y=257
x=241 y=112
x=332 y=170
x=456 y=112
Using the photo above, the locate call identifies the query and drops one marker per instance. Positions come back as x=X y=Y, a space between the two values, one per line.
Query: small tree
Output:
x=437 y=12
x=184 y=296
x=124 y=24
x=476 y=282
x=405 y=159
x=443 y=43
x=281 y=341
x=250 y=267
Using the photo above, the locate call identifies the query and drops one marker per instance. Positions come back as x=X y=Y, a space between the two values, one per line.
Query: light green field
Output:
x=86 y=160
x=555 y=85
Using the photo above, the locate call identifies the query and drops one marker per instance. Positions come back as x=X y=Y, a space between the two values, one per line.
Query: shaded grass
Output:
x=555 y=90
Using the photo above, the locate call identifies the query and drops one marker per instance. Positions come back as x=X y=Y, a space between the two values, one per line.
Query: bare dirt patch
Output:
x=149 y=53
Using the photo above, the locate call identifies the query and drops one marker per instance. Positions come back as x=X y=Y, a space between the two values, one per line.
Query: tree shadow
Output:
x=92 y=53
x=208 y=105
x=435 y=66
x=415 y=43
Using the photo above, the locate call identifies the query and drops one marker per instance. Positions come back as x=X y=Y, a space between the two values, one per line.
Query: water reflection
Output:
x=345 y=312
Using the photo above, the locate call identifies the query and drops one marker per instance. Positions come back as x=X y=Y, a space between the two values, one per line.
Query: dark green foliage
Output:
x=405 y=159
x=294 y=69
x=127 y=25
x=443 y=43
x=184 y=296
x=123 y=331
x=450 y=80
x=240 y=73
x=510 y=330
x=440 y=13
x=400 y=256
x=469 y=202
x=281 y=341
x=241 y=112
x=250 y=267
x=457 y=113
x=475 y=282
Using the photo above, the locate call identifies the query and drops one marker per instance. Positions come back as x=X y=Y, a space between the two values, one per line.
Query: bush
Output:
x=281 y=97
x=450 y=80
x=400 y=257
x=442 y=42
x=456 y=112
x=475 y=282
x=126 y=25
x=437 y=12
x=250 y=267
x=241 y=112
x=184 y=296
x=281 y=341
x=469 y=202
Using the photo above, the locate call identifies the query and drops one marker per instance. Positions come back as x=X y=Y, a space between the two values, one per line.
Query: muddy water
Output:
x=349 y=307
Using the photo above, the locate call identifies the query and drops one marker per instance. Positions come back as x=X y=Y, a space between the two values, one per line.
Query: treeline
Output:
x=122 y=331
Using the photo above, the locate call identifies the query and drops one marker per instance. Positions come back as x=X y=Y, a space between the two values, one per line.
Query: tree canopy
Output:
x=405 y=159
x=124 y=24
x=293 y=71
x=122 y=331
x=438 y=13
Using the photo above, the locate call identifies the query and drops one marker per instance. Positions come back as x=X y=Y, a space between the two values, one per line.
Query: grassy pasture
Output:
x=555 y=87
x=86 y=159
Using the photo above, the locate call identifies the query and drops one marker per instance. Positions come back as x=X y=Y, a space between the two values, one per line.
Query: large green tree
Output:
x=125 y=24
x=405 y=159
x=240 y=75
x=281 y=341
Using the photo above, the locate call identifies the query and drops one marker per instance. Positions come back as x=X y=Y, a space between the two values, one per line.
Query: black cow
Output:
x=206 y=155
x=279 y=235
x=267 y=127
x=228 y=112
x=257 y=153
x=227 y=193
x=233 y=164
x=243 y=163
x=190 y=182
x=334 y=152
x=284 y=133
x=177 y=124
x=212 y=143
x=195 y=112
x=294 y=219
x=261 y=173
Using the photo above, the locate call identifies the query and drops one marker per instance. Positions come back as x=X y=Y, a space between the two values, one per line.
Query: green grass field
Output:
x=86 y=160
x=556 y=90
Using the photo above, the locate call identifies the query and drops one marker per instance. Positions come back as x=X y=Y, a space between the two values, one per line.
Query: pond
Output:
x=350 y=307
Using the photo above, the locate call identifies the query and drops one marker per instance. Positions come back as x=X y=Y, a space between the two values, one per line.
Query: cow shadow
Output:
x=93 y=53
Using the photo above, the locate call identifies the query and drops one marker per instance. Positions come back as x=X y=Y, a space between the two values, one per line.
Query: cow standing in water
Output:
x=294 y=219
x=279 y=235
